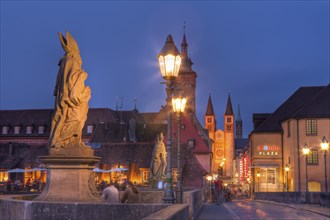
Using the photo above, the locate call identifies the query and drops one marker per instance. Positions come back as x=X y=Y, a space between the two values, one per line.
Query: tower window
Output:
x=228 y=120
x=209 y=120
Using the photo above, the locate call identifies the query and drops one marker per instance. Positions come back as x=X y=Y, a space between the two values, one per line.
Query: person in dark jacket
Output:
x=131 y=194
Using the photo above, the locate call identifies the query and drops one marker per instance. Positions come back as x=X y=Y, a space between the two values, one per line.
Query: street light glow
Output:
x=179 y=104
x=306 y=150
x=169 y=59
x=324 y=144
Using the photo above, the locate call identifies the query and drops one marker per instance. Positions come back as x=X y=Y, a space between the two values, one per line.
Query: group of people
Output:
x=111 y=194
x=17 y=185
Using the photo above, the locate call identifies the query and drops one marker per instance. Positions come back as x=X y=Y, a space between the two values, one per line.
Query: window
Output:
x=313 y=158
x=29 y=129
x=41 y=129
x=5 y=129
x=289 y=129
x=311 y=127
x=90 y=129
x=228 y=120
x=209 y=120
x=145 y=175
x=17 y=129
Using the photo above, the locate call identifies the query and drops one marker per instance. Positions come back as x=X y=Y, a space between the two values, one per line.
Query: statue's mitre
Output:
x=69 y=44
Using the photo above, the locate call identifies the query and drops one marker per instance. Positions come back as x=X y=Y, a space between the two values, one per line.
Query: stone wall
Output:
x=177 y=212
x=12 y=209
x=193 y=197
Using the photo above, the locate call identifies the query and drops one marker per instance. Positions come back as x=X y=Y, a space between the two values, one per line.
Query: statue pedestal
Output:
x=157 y=183
x=69 y=178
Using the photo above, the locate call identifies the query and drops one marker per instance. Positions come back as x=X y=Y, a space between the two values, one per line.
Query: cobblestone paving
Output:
x=246 y=210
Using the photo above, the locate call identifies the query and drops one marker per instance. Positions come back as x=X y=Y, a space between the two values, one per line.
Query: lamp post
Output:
x=258 y=176
x=306 y=152
x=287 y=168
x=179 y=105
x=169 y=61
x=325 y=146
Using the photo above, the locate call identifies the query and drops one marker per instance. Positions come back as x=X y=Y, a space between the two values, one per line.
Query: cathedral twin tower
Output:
x=223 y=146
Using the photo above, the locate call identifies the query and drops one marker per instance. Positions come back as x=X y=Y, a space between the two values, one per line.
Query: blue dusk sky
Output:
x=260 y=51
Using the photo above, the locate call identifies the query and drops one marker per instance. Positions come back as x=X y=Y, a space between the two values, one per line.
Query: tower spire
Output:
x=184 y=44
x=239 y=124
x=229 y=108
x=209 y=108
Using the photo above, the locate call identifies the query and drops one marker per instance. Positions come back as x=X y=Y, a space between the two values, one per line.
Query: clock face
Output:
x=219 y=153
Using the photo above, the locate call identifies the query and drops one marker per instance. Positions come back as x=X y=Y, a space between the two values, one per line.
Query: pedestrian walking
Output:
x=218 y=190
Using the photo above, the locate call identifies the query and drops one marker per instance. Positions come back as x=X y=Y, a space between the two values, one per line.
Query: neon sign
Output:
x=268 y=150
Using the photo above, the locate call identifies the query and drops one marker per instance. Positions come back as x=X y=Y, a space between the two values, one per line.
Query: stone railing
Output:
x=321 y=198
x=192 y=197
x=174 y=212
x=18 y=208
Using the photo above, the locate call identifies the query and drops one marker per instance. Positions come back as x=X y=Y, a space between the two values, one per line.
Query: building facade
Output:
x=278 y=139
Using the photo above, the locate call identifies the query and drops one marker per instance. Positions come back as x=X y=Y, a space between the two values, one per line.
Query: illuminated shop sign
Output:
x=268 y=150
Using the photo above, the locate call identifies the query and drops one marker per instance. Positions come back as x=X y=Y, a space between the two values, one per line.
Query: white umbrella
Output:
x=38 y=169
x=118 y=169
x=98 y=170
x=18 y=170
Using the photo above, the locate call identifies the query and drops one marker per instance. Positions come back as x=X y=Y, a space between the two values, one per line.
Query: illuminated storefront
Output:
x=266 y=162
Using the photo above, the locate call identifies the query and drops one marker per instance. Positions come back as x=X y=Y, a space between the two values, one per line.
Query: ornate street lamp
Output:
x=325 y=147
x=306 y=152
x=287 y=168
x=169 y=61
x=179 y=105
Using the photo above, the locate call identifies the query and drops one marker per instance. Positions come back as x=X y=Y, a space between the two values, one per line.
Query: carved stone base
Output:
x=69 y=179
x=72 y=151
x=157 y=183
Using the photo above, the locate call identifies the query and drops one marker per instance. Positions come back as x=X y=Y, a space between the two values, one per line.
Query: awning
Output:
x=265 y=166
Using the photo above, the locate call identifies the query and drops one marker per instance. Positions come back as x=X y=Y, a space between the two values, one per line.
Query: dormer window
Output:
x=17 y=129
x=29 y=129
x=5 y=129
x=90 y=129
x=41 y=129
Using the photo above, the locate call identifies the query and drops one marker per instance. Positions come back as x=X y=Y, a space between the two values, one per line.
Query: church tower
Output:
x=229 y=138
x=209 y=120
x=187 y=77
x=239 y=125
x=210 y=124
